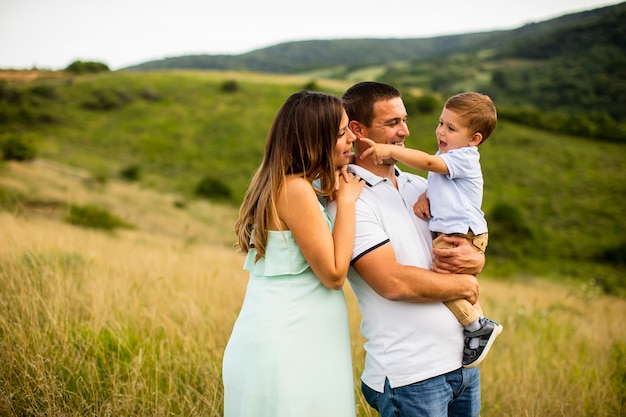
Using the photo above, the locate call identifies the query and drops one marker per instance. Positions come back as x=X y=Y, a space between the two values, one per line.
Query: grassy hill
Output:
x=563 y=74
x=303 y=56
x=553 y=201
x=120 y=286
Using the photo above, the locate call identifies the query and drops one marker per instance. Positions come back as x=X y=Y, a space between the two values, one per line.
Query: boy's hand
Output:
x=421 y=208
x=379 y=152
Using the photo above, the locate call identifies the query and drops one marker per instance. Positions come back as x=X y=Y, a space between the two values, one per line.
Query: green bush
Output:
x=508 y=231
x=95 y=218
x=180 y=204
x=29 y=105
x=213 y=188
x=105 y=99
x=230 y=86
x=131 y=173
x=312 y=86
x=45 y=91
x=9 y=93
x=149 y=94
x=615 y=255
x=18 y=148
x=427 y=103
x=81 y=67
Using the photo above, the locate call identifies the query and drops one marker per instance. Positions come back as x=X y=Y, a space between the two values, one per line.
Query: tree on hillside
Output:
x=81 y=67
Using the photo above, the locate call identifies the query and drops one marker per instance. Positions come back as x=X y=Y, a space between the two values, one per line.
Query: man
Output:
x=414 y=343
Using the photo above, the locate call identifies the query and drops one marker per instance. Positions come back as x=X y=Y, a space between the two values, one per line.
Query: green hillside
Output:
x=553 y=201
x=304 y=56
x=564 y=74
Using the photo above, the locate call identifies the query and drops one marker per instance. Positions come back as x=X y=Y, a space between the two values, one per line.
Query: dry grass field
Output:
x=134 y=322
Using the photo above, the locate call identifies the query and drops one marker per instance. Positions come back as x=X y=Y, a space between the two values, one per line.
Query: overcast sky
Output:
x=50 y=34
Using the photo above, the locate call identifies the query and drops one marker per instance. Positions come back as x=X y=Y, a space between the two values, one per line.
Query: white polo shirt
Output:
x=406 y=342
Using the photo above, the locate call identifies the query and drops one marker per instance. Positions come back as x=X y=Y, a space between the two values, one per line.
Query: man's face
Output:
x=389 y=125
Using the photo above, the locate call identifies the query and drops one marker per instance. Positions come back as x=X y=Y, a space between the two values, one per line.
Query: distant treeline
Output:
x=565 y=74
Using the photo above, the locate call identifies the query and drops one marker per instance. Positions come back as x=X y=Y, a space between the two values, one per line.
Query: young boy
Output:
x=455 y=190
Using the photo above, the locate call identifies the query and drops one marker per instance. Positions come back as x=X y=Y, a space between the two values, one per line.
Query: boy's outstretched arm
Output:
x=410 y=157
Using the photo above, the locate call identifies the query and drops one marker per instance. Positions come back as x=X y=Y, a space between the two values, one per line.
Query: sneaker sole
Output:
x=496 y=332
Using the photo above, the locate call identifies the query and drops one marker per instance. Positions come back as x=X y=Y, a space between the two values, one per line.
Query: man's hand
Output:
x=461 y=259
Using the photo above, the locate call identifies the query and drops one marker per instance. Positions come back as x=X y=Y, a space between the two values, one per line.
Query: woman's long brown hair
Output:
x=300 y=142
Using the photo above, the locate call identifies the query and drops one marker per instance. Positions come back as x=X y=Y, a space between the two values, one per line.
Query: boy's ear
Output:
x=477 y=138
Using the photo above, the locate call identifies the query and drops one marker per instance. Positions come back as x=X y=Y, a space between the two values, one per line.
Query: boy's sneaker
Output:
x=487 y=334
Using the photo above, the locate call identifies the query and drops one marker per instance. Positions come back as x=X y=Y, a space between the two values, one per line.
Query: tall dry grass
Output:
x=99 y=325
x=135 y=323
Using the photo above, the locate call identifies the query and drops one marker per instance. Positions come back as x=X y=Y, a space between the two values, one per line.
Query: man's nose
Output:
x=404 y=131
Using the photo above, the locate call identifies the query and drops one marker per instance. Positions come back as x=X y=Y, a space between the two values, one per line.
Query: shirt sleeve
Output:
x=462 y=162
x=369 y=233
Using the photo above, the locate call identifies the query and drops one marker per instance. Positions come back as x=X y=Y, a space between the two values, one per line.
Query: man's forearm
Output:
x=417 y=285
x=425 y=286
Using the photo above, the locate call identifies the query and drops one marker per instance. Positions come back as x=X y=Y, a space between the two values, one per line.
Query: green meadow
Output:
x=553 y=202
x=132 y=319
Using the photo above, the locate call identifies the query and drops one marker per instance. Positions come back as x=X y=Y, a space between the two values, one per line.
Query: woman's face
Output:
x=343 y=146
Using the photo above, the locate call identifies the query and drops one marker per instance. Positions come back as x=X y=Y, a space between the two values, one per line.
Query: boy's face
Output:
x=453 y=133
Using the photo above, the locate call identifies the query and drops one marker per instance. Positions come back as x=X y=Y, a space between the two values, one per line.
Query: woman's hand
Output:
x=342 y=174
x=350 y=189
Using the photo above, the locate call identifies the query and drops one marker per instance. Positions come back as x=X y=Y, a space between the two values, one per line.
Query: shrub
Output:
x=99 y=177
x=230 y=86
x=180 y=204
x=614 y=255
x=507 y=231
x=213 y=188
x=8 y=92
x=426 y=104
x=131 y=173
x=48 y=92
x=107 y=100
x=18 y=148
x=508 y=218
x=81 y=67
x=95 y=218
x=149 y=94
x=312 y=86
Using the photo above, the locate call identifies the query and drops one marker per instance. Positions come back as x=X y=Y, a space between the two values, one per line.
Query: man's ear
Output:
x=356 y=128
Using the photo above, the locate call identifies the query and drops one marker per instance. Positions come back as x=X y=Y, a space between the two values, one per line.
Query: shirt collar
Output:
x=370 y=178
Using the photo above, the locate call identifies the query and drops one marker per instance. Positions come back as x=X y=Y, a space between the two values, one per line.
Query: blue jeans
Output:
x=455 y=394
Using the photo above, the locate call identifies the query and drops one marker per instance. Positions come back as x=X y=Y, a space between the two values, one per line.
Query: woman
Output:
x=289 y=352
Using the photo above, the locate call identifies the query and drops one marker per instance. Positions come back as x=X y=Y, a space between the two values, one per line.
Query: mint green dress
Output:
x=289 y=351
